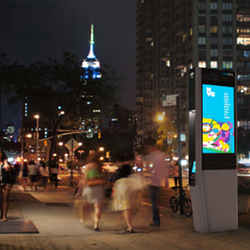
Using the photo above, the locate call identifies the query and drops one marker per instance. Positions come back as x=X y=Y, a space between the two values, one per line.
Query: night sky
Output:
x=32 y=30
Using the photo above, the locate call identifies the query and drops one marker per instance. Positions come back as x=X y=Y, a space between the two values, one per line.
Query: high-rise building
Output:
x=91 y=65
x=173 y=37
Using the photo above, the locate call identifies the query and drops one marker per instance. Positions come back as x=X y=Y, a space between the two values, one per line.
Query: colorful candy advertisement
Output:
x=217 y=119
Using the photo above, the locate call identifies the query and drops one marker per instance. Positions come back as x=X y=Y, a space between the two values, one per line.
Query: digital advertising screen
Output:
x=218 y=119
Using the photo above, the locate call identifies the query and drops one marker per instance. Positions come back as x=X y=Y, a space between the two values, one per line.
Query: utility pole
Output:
x=72 y=160
x=179 y=154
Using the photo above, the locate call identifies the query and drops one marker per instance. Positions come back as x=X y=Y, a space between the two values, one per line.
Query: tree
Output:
x=54 y=83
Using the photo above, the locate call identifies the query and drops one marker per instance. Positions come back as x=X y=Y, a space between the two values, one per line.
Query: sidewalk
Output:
x=59 y=228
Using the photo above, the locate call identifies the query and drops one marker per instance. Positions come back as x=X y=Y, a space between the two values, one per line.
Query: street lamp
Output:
x=28 y=136
x=101 y=149
x=160 y=116
x=37 y=117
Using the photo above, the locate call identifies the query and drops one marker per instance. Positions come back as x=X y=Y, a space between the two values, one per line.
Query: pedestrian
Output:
x=156 y=170
x=7 y=178
x=93 y=186
x=44 y=173
x=33 y=175
x=54 y=173
x=25 y=176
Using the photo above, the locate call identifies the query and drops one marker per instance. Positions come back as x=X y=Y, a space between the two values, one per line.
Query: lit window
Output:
x=213 y=64
x=148 y=39
x=243 y=77
x=213 y=6
x=202 y=64
x=242 y=18
x=226 y=6
x=214 y=29
x=227 y=18
x=202 y=40
x=243 y=40
x=227 y=64
x=246 y=53
x=202 y=28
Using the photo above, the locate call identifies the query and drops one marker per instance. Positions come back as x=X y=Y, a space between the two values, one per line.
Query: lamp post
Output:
x=37 y=117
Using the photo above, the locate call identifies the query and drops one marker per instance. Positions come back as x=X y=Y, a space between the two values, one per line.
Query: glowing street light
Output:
x=61 y=113
x=160 y=116
x=37 y=117
x=101 y=149
x=28 y=136
x=60 y=143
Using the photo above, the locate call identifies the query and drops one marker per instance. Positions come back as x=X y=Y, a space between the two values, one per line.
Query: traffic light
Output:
x=99 y=134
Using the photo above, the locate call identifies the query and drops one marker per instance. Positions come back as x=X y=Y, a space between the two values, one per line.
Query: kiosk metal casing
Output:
x=213 y=151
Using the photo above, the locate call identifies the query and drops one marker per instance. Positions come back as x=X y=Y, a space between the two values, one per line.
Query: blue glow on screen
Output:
x=217 y=119
x=194 y=167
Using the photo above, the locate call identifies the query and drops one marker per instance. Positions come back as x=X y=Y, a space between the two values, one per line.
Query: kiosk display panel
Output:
x=218 y=119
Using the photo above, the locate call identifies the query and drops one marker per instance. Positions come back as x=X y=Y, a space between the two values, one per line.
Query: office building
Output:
x=174 y=37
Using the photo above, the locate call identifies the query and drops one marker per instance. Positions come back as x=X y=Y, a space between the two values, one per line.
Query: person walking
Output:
x=25 y=176
x=44 y=172
x=7 y=180
x=156 y=170
x=33 y=175
x=93 y=186
x=54 y=173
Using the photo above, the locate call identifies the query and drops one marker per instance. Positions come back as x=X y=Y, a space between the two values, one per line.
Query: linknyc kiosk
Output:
x=212 y=150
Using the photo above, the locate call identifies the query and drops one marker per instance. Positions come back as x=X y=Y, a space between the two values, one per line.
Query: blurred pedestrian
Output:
x=126 y=193
x=44 y=173
x=33 y=175
x=54 y=173
x=7 y=180
x=24 y=175
x=92 y=186
x=156 y=170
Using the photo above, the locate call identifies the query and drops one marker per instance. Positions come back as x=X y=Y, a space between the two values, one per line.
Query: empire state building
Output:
x=91 y=65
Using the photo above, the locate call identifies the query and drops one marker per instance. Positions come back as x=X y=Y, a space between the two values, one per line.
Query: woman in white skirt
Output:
x=126 y=195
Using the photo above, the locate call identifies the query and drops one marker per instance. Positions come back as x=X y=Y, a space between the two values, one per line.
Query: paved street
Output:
x=59 y=228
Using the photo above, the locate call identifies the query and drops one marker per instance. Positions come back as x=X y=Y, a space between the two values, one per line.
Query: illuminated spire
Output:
x=91 y=43
x=91 y=65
